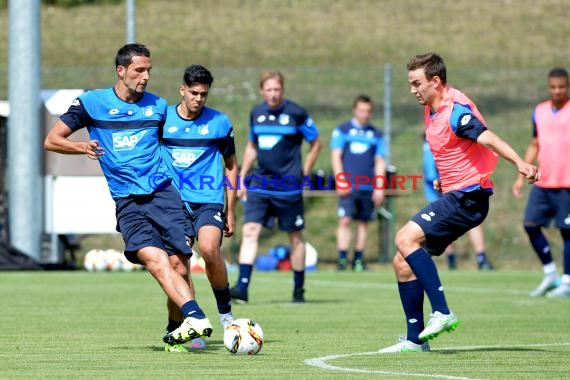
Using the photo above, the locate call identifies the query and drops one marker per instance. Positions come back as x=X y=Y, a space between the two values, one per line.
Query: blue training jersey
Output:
x=193 y=151
x=360 y=146
x=128 y=133
x=278 y=134
x=430 y=174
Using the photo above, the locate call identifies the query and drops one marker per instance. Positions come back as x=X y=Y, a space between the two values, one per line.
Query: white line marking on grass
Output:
x=359 y=285
x=322 y=361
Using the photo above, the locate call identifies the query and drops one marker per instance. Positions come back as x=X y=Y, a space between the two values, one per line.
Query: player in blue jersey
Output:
x=357 y=149
x=200 y=153
x=431 y=193
x=277 y=129
x=124 y=122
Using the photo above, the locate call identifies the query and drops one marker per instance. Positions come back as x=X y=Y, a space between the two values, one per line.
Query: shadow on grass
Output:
x=211 y=345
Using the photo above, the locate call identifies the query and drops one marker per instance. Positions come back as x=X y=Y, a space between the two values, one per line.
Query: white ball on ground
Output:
x=243 y=337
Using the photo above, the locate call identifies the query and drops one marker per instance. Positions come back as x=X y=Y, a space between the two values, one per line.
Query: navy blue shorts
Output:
x=358 y=205
x=153 y=220
x=205 y=214
x=544 y=205
x=262 y=208
x=451 y=216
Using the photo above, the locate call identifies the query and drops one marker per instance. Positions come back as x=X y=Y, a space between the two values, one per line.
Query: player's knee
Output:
x=344 y=222
x=403 y=240
x=250 y=232
x=210 y=253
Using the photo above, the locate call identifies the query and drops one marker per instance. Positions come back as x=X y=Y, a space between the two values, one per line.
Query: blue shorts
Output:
x=451 y=216
x=358 y=205
x=262 y=208
x=544 y=205
x=153 y=220
x=205 y=214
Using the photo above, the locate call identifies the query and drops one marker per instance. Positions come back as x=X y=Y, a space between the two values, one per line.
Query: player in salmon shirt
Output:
x=465 y=153
x=549 y=198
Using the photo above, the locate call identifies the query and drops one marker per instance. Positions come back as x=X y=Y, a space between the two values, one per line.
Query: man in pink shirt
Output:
x=465 y=153
x=549 y=198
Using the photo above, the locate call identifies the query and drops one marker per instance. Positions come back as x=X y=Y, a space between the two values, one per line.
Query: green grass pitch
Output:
x=70 y=325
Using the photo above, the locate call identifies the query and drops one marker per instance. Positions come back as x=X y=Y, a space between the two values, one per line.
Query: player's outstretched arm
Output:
x=529 y=157
x=57 y=141
x=498 y=145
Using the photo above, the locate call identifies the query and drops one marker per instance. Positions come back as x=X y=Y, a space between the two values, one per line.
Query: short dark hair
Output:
x=432 y=63
x=125 y=54
x=558 y=72
x=197 y=74
x=362 y=98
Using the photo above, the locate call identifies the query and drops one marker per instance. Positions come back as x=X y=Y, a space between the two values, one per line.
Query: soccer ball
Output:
x=243 y=337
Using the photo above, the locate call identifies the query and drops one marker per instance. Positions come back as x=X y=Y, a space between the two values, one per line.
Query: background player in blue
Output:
x=123 y=123
x=357 y=148
x=196 y=139
x=277 y=129
x=432 y=192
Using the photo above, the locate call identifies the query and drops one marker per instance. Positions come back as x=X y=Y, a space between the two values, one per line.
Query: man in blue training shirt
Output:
x=277 y=129
x=357 y=149
x=123 y=122
x=195 y=140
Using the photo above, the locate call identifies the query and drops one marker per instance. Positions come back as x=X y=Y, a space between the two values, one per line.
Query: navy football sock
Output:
x=299 y=279
x=244 y=276
x=223 y=299
x=191 y=309
x=539 y=243
x=412 y=297
x=566 y=249
x=425 y=270
x=172 y=325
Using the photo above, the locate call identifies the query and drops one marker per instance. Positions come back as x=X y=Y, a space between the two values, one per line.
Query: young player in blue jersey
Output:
x=277 y=129
x=357 y=149
x=123 y=122
x=476 y=234
x=196 y=140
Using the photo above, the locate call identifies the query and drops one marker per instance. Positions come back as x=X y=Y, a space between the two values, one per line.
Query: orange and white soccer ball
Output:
x=243 y=337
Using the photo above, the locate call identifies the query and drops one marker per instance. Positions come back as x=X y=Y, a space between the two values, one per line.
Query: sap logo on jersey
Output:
x=183 y=158
x=126 y=140
x=268 y=142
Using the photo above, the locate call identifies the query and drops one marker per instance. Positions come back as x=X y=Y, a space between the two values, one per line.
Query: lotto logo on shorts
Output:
x=126 y=140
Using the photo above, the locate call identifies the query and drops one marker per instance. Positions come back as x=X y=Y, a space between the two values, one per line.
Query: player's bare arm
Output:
x=499 y=146
x=57 y=141
x=231 y=173
x=530 y=158
x=316 y=146
x=249 y=157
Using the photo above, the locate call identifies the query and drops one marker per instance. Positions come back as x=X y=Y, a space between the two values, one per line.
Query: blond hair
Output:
x=271 y=74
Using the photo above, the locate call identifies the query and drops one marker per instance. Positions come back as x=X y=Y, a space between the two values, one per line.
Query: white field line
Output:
x=378 y=285
x=322 y=364
x=322 y=361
